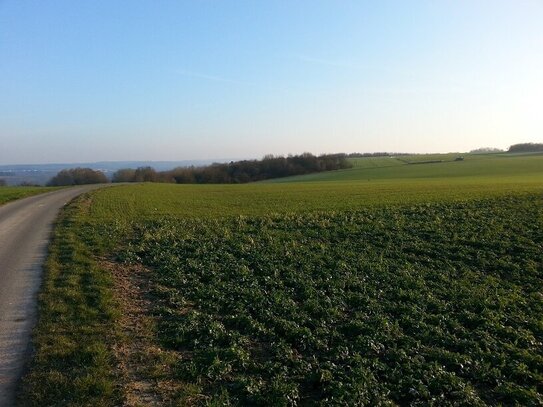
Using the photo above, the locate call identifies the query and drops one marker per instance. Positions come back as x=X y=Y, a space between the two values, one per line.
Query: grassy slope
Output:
x=477 y=177
x=486 y=168
x=8 y=194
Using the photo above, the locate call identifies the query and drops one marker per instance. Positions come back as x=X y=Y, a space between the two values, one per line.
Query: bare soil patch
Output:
x=143 y=364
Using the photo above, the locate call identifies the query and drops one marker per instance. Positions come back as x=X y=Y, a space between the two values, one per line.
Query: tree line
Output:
x=526 y=148
x=235 y=172
x=238 y=172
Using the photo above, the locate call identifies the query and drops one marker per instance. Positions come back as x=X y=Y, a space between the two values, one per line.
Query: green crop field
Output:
x=421 y=289
x=8 y=194
x=375 y=162
x=486 y=167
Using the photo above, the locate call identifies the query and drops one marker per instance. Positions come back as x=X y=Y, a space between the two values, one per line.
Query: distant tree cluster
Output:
x=239 y=171
x=526 y=148
x=78 y=176
x=486 y=150
x=124 y=175
x=3 y=182
x=142 y=174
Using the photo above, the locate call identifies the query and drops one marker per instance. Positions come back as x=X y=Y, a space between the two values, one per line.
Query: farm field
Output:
x=488 y=167
x=391 y=292
x=8 y=194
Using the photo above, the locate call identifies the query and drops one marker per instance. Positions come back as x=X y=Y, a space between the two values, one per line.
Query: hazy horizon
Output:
x=226 y=159
x=176 y=81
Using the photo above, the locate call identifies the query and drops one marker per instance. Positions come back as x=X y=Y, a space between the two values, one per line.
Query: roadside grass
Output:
x=73 y=363
x=8 y=194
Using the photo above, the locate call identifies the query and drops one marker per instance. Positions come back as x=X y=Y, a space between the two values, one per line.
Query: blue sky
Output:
x=174 y=80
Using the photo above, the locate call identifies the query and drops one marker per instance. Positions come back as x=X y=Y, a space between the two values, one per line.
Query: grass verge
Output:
x=73 y=363
x=8 y=194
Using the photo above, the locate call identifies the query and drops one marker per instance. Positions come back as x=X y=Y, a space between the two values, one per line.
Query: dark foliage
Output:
x=78 y=176
x=526 y=148
x=124 y=175
x=486 y=150
x=145 y=174
x=240 y=171
x=3 y=183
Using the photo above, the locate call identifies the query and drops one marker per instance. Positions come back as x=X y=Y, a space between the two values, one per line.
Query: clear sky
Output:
x=173 y=80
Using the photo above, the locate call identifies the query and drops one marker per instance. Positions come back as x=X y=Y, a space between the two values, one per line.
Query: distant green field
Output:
x=375 y=162
x=418 y=286
x=8 y=194
x=152 y=201
x=483 y=166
